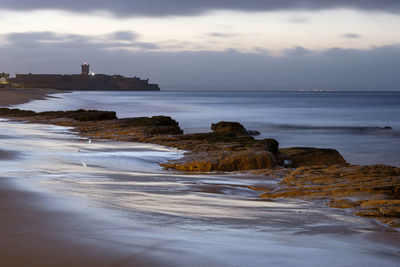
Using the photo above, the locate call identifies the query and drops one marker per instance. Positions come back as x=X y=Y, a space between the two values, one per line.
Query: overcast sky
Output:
x=210 y=44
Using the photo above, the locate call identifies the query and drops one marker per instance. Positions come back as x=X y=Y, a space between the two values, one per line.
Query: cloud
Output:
x=185 y=8
x=298 y=20
x=113 y=41
x=336 y=68
x=221 y=34
x=123 y=36
x=297 y=51
x=351 y=35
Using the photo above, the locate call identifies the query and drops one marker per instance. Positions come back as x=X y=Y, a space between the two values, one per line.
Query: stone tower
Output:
x=85 y=69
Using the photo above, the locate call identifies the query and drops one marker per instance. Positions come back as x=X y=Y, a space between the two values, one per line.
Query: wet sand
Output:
x=30 y=233
x=15 y=96
x=44 y=229
x=34 y=233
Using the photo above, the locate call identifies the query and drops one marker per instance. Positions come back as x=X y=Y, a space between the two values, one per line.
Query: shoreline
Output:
x=16 y=96
x=35 y=229
x=22 y=208
x=304 y=172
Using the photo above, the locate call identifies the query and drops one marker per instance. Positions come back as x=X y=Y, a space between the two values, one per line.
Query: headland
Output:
x=86 y=81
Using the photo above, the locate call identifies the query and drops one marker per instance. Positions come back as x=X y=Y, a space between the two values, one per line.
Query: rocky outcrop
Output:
x=228 y=148
x=309 y=156
x=371 y=191
x=79 y=115
x=223 y=161
x=233 y=128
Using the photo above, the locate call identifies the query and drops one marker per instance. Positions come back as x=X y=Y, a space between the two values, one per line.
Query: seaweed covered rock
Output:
x=207 y=162
x=308 y=156
x=232 y=128
x=372 y=191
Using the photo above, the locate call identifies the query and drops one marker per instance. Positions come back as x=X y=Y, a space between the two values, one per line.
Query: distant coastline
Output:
x=85 y=81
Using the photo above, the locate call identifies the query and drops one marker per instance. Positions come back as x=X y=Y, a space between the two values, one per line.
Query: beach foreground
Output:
x=14 y=96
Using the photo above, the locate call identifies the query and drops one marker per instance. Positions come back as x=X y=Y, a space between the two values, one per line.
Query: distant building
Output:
x=84 y=81
x=85 y=69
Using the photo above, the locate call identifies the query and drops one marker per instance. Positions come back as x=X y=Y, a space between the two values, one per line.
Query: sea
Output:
x=210 y=219
x=351 y=122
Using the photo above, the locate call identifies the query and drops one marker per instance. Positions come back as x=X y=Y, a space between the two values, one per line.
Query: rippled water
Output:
x=345 y=121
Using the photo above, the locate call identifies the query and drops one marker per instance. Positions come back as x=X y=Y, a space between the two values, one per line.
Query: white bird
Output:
x=90 y=141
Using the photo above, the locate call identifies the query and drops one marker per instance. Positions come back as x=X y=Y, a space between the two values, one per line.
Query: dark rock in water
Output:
x=90 y=115
x=250 y=132
x=271 y=145
x=148 y=121
x=229 y=127
x=15 y=112
x=388 y=128
x=79 y=115
x=308 y=156
x=235 y=128
x=156 y=125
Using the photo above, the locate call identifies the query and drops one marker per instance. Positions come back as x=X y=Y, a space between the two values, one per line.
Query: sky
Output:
x=210 y=44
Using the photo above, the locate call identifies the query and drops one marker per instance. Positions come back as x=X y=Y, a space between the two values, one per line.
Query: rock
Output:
x=308 y=156
x=369 y=204
x=233 y=161
x=391 y=211
x=15 y=112
x=90 y=115
x=253 y=133
x=368 y=213
x=232 y=128
x=156 y=125
x=395 y=223
x=271 y=145
x=342 y=203
x=247 y=160
x=79 y=115
x=372 y=191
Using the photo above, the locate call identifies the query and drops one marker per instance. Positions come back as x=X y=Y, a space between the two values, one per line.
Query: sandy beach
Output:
x=14 y=96
x=32 y=234
x=25 y=233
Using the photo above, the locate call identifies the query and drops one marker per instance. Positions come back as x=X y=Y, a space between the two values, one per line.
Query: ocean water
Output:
x=350 y=122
